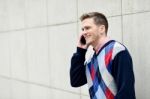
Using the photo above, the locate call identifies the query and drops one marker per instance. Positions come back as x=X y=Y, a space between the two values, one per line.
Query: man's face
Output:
x=90 y=31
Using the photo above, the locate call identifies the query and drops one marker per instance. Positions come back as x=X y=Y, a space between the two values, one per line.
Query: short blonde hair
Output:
x=99 y=19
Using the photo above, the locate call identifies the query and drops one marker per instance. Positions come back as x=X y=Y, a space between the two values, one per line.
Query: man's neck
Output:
x=100 y=43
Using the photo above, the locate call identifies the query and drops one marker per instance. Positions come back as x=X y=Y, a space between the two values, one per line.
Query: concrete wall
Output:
x=38 y=37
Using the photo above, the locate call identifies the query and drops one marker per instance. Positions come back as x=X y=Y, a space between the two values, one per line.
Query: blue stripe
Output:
x=109 y=67
x=109 y=47
x=92 y=93
x=96 y=80
x=101 y=82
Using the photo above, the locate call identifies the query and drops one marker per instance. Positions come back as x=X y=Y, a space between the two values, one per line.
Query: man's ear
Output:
x=102 y=28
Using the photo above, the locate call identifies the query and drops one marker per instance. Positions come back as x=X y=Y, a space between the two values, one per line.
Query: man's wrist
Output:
x=81 y=51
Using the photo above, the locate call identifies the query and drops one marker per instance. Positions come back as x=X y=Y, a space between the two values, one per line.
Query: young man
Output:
x=109 y=73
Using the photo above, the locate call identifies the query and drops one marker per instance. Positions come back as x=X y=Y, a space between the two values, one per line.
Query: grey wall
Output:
x=38 y=37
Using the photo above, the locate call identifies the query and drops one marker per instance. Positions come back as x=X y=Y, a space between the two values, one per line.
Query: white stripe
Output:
x=117 y=48
x=100 y=94
x=113 y=86
x=107 y=77
x=89 y=79
x=88 y=60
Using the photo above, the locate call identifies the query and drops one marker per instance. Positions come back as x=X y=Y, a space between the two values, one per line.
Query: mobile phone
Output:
x=82 y=40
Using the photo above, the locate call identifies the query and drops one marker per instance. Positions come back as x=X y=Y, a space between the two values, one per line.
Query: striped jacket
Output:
x=109 y=73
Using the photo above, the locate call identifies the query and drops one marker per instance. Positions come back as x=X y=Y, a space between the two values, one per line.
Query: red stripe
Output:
x=92 y=72
x=108 y=57
x=109 y=94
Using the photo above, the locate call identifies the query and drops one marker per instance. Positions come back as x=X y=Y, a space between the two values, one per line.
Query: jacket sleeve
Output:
x=124 y=76
x=77 y=70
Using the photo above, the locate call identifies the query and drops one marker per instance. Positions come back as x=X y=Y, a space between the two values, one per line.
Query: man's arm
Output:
x=124 y=76
x=77 y=70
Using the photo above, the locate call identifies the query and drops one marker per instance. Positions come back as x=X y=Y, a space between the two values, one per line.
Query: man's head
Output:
x=99 y=19
x=94 y=27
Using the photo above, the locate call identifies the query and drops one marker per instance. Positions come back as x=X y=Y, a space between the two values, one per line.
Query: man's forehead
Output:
x=87 y=21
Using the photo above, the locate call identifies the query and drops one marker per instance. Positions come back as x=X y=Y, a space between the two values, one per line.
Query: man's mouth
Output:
x=87 y=36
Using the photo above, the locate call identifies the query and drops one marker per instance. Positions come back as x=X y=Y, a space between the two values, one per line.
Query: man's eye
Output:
x=82 y=29
x=86 y=28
